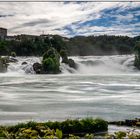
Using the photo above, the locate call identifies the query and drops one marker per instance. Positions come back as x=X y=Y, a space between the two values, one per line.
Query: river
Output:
x=107 y=87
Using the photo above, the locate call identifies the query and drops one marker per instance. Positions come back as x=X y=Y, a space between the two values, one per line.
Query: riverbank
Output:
x=87 y=128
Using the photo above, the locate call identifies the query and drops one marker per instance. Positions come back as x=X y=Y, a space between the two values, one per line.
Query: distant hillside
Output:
x=100 y=45
x=26 y=45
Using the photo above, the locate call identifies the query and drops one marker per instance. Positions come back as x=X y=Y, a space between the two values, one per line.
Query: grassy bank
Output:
x=74 y=129
x=66 y=129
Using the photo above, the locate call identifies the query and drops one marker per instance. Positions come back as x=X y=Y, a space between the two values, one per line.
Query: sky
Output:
x=71 y=18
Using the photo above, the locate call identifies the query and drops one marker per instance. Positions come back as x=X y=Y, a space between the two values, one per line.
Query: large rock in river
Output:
x=37 y=68
x=69 y=62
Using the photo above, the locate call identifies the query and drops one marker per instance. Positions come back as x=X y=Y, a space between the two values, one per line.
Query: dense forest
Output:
x=27 y=45
x=101 y=45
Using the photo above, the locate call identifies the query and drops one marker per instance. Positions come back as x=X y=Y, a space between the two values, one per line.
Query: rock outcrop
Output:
x=67 y=61
x=3 y=65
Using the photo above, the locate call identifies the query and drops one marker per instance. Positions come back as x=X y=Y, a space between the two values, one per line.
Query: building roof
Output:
x=2 y=28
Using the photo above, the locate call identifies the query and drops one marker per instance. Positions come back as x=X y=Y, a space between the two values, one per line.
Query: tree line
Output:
x=78 y=45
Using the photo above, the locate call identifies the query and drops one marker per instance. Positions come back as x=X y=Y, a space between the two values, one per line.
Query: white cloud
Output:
x=52 y=17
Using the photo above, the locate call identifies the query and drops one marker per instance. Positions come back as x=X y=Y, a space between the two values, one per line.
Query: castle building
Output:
x=3 y=33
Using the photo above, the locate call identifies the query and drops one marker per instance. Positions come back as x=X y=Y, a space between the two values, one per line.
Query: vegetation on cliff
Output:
x=51 y=61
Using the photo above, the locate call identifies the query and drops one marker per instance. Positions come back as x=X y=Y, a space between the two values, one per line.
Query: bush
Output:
x=63 y=54
x=89 y=136
x=71 y=136
x=120 y=135
x=50 y=65
x=87 y=125
x=13 y=54
x=72 y=129
x=137 y=55
x=51 y=62
x=52 y=53
x=123 y=135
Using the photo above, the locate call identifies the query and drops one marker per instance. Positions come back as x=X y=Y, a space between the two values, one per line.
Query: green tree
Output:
x=137 y=55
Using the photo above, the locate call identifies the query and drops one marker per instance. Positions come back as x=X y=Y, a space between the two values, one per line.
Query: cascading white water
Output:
x=117 y=64
x=20 y=68
x=106 y=64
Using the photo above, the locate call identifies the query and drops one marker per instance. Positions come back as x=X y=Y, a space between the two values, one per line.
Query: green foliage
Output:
x=137 y=55
x=87 y=125
x=57 y=42
x=59 y=134
x=123 y=135
x=26 y=133
x=89 y=136
x=120 y=135
x=3 y=47
x=133 y=135
x=100 y=45
x=15 y=128
x=63 y=54
x=50 y=65
x=3 y=133
x=71 y=136
x=71 y=129
x=30 y=130
x=51 y=61
x=26 y=45
x=13 y=54
x=132 y=122
x=52 y=53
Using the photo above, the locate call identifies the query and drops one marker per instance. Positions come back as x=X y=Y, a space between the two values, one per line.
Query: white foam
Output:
x=117 y=64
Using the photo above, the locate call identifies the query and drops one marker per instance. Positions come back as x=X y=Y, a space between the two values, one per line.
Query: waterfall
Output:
x=115 y=64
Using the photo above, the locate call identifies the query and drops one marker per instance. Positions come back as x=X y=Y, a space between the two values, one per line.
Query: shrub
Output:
x=87 y=125
x=71 y=136
x=72 y=129
x=13 y=54
x=120 y=135
x=52 y=53
x=63 y=54
x=50 y=65
x=51 y=62
x=137 y=55
x=59 y=134
x=89 y=136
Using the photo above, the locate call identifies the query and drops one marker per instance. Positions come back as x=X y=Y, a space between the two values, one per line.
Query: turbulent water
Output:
x=103 y=86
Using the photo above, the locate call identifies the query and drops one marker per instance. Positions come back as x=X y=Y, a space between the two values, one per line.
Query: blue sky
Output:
x=71 y=18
